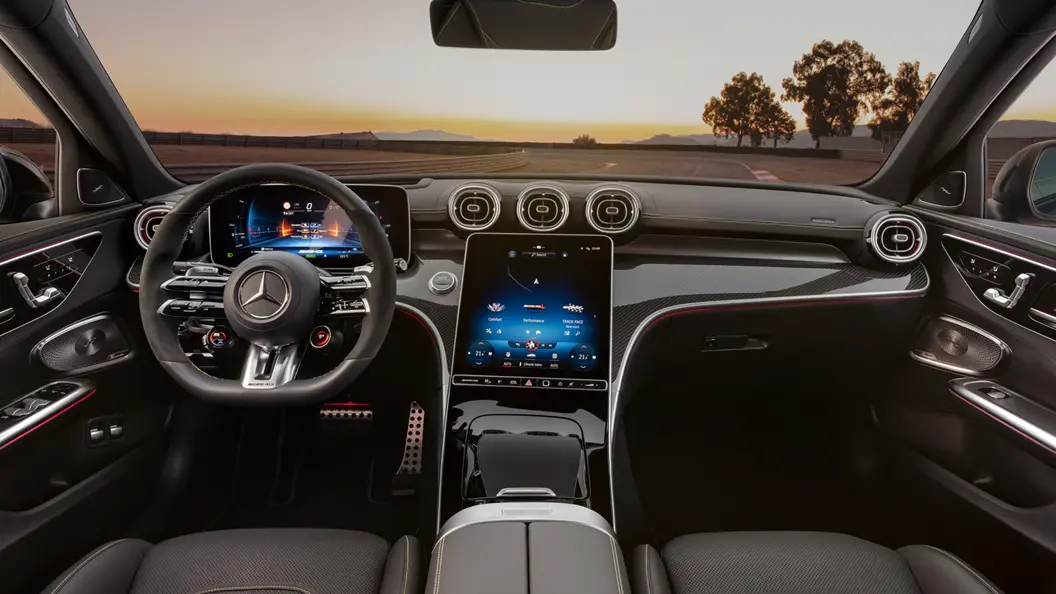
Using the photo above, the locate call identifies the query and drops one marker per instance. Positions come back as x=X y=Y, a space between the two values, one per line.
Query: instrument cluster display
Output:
x=285 y=218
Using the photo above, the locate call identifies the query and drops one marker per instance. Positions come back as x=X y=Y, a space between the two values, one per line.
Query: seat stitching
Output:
x=616 y=565
x=86 y=561
x=245 y=588
x=968 y=568
x=648 y=580
x=406 y=564
x=439 y=564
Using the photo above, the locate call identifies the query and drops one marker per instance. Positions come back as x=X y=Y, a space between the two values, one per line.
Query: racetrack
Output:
x=664 y=163
x=703 y=165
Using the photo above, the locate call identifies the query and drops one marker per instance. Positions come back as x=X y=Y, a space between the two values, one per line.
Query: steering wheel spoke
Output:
x=269 y=368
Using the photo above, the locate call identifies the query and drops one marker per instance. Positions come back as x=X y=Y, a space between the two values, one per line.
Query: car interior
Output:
x=697 y=385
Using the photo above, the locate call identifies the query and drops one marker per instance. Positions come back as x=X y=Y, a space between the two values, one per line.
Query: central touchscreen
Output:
x=535 y=312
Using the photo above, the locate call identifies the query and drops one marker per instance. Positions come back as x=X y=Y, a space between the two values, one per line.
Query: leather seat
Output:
x=271 y=561
x=798 y=562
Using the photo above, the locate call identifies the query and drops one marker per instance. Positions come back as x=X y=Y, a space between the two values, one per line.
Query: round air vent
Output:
x=147 y=222
x=897 y=238
x=612 y=210
x=474 y=207
x=542 y=208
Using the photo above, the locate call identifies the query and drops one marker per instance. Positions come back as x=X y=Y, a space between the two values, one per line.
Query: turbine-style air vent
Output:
x=612 y=210
x=474 y=207
x=897 y=238
x=147 y=222
x=542 y=208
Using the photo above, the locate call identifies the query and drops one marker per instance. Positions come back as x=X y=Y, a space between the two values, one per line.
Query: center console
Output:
x=530 y=387
x=527 y=547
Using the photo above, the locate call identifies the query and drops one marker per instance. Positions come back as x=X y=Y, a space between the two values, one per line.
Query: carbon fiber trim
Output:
x=644 y=285
x=776 y=281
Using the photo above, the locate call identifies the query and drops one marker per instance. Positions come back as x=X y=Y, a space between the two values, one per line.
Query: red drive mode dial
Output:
x=219 y=337
x=321 y=337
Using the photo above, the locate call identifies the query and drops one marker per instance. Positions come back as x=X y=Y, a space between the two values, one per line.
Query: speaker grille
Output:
x=954 y=345
x=85 y=346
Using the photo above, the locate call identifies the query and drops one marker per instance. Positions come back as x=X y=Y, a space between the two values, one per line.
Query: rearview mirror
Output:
x=562 y=25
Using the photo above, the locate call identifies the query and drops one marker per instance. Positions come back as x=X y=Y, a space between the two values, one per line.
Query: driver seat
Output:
x=263 y=561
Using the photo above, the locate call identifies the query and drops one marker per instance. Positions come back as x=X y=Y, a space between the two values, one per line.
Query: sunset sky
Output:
x=322 y=66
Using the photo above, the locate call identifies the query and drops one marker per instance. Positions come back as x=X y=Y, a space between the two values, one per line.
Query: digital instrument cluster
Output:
x=286 y=218
x=535 y=312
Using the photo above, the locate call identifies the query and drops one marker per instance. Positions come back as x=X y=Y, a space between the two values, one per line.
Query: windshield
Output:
x=692 y=88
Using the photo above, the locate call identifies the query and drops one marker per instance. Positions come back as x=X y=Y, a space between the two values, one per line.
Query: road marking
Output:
x=609 y=165
x=764 y=175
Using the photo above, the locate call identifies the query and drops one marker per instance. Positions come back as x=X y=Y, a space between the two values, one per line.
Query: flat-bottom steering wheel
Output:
x=271 y=300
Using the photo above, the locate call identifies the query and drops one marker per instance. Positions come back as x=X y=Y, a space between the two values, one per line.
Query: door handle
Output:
x=46 y=296
x=1009 y=301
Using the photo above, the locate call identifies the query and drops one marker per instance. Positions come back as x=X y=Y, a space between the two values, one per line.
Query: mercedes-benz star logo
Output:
x=263 y=295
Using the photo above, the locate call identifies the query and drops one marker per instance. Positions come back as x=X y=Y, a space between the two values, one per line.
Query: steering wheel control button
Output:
x=442 y=283
x=348 y=307
x=219 y=337
x=321 y=337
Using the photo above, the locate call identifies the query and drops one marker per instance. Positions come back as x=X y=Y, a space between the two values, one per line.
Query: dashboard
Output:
x=655 y=250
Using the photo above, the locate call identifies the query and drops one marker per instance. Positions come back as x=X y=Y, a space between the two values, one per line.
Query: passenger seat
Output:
x=798 y=562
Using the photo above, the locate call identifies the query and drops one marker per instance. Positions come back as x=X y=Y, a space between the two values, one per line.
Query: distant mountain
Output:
x=429 y=135
x=348 y=136
x=1023 y=129
x=19 y=123
x=668 y=139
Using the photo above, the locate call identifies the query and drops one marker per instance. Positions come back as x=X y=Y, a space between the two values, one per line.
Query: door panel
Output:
x=77 y=464
x=981 y=447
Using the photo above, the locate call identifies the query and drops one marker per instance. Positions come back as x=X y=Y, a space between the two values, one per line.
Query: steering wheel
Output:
x=271 y=300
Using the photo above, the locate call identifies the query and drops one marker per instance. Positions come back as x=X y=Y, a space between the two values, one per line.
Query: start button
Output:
x=442 y=283
x=321 y=337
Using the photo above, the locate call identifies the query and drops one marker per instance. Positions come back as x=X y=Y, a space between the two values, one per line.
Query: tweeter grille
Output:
x=85 y=346
x=954 y=345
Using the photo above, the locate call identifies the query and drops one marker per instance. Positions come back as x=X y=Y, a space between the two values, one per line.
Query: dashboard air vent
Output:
x=612 y=210
x=897 y=238
x=147 y=222
x=474 y=207
x=542 y=208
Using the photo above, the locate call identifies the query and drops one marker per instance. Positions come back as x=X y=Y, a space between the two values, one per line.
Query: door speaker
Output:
x=83 y=347
x=955 y=345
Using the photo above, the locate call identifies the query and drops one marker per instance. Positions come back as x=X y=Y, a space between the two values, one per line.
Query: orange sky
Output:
x=326 y=66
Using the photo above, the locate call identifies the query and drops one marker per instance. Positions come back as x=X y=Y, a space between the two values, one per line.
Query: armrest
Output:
x=503 y=547
x=26 y=413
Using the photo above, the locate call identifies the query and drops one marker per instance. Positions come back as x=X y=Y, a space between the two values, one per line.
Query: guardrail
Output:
x=196 y=172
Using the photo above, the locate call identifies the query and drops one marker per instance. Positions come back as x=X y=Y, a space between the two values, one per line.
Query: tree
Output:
x=584 y=140
x=735 y=112
x=777 y=125
x=894 y=112
x=837 y=84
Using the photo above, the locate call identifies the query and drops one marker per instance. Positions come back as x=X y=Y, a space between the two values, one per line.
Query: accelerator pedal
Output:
x=406 y=478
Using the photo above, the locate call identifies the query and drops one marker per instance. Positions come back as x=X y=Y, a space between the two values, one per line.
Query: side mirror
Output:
x=1025 y=188
x=563 y=25
x=25 y=191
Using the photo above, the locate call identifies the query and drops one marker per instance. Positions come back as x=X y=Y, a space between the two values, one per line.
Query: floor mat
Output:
x=747 y=462
x=297 y=471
